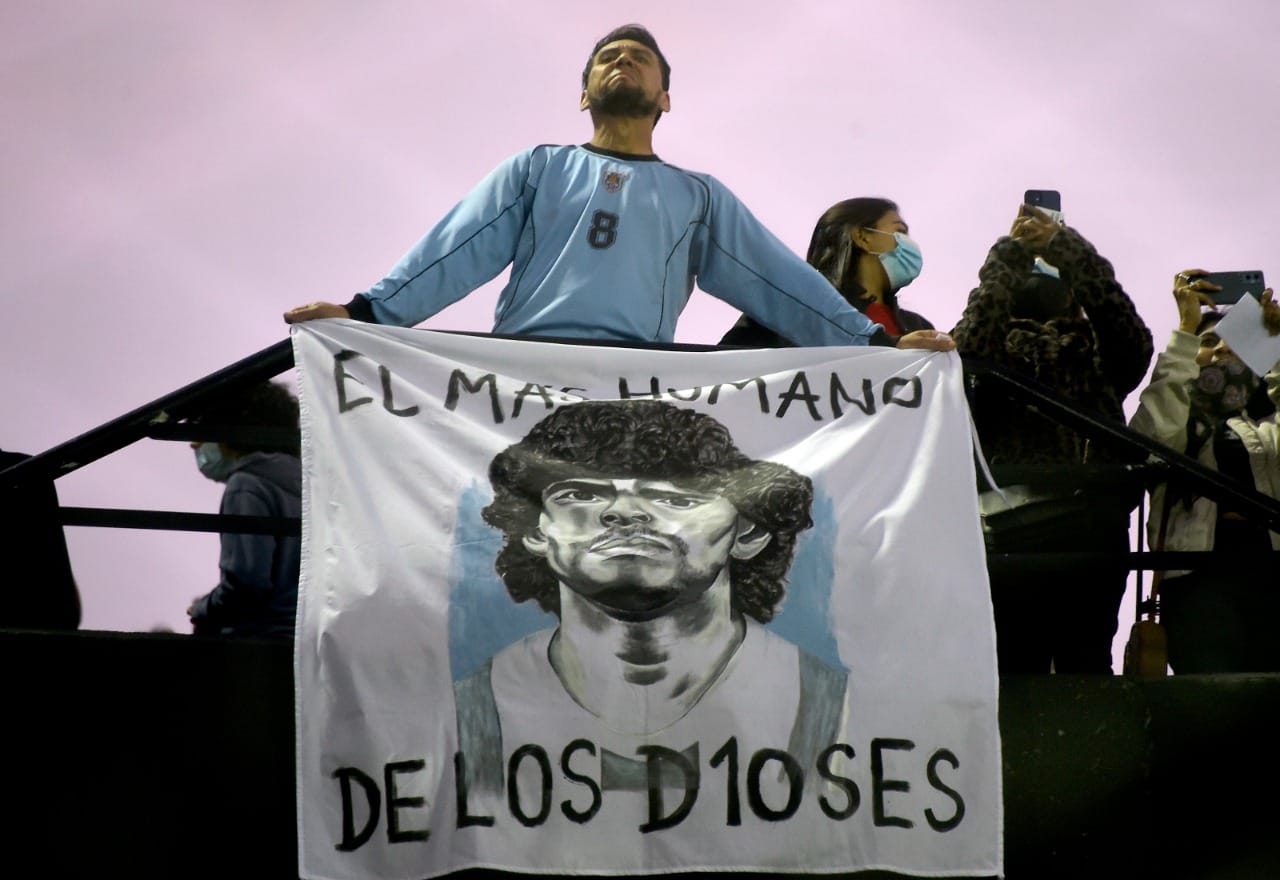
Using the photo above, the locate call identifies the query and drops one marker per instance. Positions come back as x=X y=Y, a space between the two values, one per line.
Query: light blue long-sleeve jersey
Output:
x=609 y=246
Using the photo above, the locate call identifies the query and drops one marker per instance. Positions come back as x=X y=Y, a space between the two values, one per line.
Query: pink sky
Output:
x=176 y=176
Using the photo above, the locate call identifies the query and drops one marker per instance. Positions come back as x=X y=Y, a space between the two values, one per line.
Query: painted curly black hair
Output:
x=645 y=439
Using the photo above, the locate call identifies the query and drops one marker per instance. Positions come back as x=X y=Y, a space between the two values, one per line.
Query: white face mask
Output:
x=902 y=263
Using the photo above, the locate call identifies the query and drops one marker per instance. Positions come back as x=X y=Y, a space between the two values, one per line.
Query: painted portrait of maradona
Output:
x=662 y=551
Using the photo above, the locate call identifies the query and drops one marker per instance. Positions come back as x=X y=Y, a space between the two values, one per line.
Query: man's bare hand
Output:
x=311 y=311
x=934 y=340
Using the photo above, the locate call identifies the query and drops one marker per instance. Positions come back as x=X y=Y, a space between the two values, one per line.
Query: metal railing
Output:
x=166 y=418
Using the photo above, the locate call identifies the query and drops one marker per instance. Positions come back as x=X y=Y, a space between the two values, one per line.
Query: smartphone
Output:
x=1235 y=285
x=1047 y=200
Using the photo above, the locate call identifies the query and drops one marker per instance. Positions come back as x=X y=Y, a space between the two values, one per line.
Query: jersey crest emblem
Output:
x=613 y=180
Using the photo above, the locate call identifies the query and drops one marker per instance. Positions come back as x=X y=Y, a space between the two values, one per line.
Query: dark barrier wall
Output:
x=158 y=755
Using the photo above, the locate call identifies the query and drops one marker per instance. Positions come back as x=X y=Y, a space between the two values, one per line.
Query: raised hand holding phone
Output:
x=1033 y=228
x=1191 y=292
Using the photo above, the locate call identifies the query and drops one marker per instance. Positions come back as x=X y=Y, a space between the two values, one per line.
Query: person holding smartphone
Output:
x=1048 y=306
x=1220 y=618
x=862 y=247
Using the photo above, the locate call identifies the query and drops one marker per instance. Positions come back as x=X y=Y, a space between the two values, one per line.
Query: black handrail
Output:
x=157 y=419
x=173 y=521
x=131 y=427
x=1150 y=461
x=1162 y=462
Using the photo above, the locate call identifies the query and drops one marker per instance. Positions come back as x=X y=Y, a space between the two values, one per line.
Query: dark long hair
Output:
x=832 y=250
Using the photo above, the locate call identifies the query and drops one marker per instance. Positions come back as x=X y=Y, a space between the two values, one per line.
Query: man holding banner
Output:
x=605 y=240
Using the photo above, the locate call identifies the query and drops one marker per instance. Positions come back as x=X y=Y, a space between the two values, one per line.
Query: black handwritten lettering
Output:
x=396 y=803
x=893 y=383
x=457 y=377
x=761 y=390
x=340 y=375
x=867 y=404
x=733 y=799
x=654 y=756
x=465 y=817
x=799 y=390
x=572 y=813
x=352 y=839
x=531 y=389
x=624 y=390
x=907 y=392
x=795 y=778
x=880 y=785
x=387 y=403
x=931 y=770
x=853 y=797
x=539 y=755
x=773 y=781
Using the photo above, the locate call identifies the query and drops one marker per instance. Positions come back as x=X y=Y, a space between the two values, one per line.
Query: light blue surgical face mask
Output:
x=212 y=463
x=903 y=262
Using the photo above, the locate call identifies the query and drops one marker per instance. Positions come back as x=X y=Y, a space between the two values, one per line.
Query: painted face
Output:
x=625 y=80
x=637 y=545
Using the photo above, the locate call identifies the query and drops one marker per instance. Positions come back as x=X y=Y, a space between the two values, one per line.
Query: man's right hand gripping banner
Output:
x=579 y=610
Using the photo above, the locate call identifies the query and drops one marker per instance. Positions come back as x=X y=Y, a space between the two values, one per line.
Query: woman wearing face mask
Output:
x=861 y=246
x=1048 y=306
x=1218 y=619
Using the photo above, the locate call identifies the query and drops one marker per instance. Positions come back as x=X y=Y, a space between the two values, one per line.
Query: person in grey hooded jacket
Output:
x=257 y=591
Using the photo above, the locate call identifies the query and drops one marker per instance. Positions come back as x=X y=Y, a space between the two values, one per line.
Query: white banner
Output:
x=569 y=609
